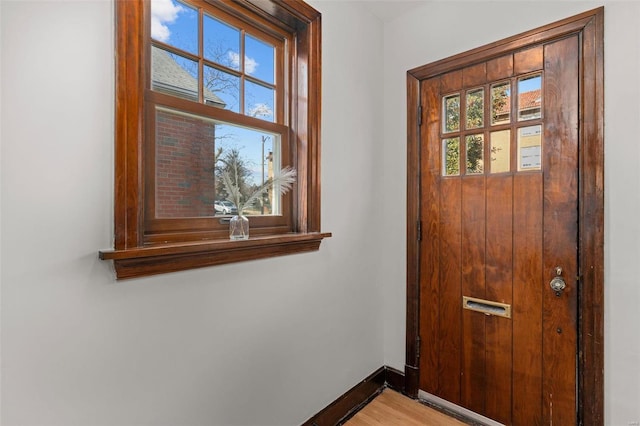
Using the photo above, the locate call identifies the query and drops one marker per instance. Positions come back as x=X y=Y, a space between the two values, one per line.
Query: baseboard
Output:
x=394 y=379
x=357 y=397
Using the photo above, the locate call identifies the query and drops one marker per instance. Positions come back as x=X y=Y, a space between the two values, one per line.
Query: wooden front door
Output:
x=505 y=197
x=500 y=212
x=499 y=220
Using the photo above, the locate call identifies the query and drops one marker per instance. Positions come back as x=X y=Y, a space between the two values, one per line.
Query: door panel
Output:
x=473 y=284
x=500 y=236
x=449 y=295
x=527 y=299
x=498 y=272
x=430 y=247
x=560 y=228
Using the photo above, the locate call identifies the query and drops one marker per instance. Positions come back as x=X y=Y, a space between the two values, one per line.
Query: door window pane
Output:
x=475 y=109
x=500 y=151
x=175 y=23
x=451 y=108
x=530 y=148
x=221 y=43
x=174 y=74
x=500 y=103
x=451 y=156
x=475 y=154
x=530 y=97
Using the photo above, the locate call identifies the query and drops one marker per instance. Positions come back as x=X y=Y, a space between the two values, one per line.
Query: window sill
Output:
x=163 y=258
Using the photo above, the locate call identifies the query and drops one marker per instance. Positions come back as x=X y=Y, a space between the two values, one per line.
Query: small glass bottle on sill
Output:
x=239 y=227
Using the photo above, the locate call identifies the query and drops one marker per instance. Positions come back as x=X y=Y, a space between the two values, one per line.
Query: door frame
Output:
x=589 y=26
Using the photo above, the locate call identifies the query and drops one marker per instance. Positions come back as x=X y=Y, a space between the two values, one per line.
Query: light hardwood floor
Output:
x=391 y=408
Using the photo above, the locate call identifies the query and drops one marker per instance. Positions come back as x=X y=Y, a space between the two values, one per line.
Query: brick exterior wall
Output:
x=185 y=180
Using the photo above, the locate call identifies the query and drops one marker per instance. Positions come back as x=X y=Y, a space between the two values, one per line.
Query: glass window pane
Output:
x=259 y=101
x=221 y=89
x=451 y=156
x=451 y=108
x=530 y=97
x=250 y=158
x=475 y=109
x=475 y=154
x=221 y=43
x=193 y=153
x=500 y=103
x=501 y=151
x=174 y=74
x=175 y=23
x=530 y=148
x=259 y=59
x=185 y=160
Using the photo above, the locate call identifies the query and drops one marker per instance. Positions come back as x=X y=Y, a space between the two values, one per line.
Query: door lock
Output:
x=557 y=283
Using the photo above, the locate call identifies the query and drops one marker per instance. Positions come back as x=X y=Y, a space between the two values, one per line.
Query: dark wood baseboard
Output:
x=394 y=379
x=347 y=405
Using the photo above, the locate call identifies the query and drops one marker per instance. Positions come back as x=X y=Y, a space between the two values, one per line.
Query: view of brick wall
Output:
x=185 y=182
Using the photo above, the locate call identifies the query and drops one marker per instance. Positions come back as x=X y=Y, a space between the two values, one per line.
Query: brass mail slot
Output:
x=487 y=307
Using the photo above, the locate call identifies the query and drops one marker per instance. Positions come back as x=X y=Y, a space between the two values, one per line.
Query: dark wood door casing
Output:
x=588 y=29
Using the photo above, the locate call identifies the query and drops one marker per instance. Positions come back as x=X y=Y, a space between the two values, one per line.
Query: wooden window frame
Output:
x=135 y=254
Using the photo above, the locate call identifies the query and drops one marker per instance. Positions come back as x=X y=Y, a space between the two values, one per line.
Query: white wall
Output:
x=230 y=345
x=268 y=342
x=418 y=38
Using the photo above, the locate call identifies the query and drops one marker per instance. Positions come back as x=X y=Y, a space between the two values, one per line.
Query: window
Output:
x=501 y=143
x=202 y=85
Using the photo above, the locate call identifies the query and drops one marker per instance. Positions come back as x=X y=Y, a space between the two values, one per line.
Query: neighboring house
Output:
x=529 y=106
x=169 y=77
x=185 y=145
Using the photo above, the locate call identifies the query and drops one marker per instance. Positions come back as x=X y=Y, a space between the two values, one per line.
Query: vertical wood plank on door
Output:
x=430 y=242
x=475 y=75
x=528 y=60
x=450 y=82
x=560 y=228
x=450 y=289
x=527 y=299
x=500 y=68
x=499 y=276
x=473 y=285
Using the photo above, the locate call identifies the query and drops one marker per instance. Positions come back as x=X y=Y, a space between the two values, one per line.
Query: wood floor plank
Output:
x=390 y=408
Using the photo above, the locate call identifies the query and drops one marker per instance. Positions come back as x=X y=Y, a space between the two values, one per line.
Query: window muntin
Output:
x=463 y=148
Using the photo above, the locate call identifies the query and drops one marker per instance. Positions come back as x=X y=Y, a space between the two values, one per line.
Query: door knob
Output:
x=557 y=284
